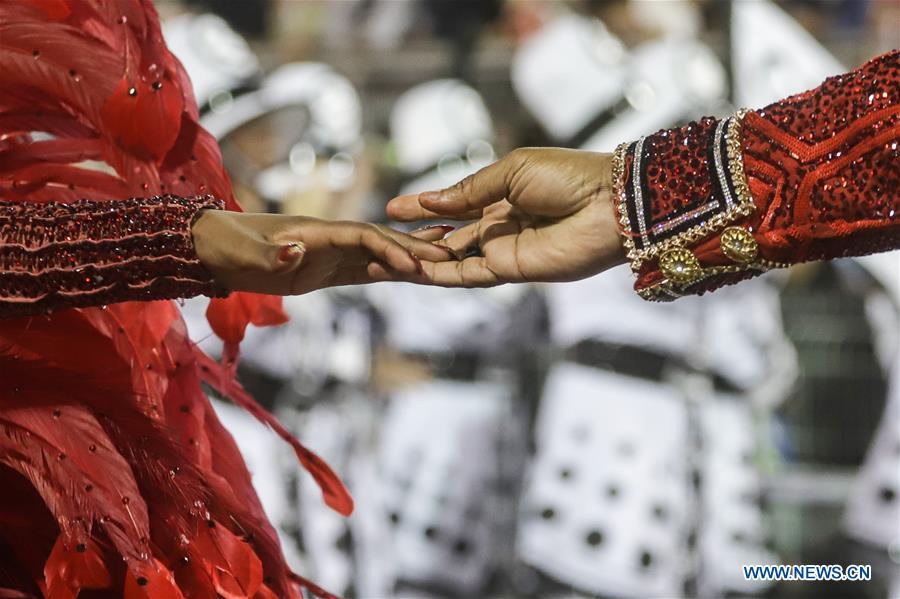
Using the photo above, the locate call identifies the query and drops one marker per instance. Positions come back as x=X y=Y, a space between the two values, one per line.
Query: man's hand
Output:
x=540 y=214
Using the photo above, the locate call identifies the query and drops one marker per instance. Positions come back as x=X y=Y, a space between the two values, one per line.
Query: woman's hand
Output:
x=541 y=214
x=287 y=255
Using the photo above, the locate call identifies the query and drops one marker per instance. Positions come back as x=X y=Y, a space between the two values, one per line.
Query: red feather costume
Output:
x=117 y=478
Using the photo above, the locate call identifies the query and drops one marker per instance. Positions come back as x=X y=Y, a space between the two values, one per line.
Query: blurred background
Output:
x=549 y=441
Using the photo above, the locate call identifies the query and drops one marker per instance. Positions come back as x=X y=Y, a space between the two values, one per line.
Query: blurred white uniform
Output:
x=218 y=60
x=443 y=441
x=609 y=507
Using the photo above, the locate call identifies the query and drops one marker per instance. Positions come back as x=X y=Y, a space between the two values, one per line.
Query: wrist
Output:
x=206 y=229
x=610 y=238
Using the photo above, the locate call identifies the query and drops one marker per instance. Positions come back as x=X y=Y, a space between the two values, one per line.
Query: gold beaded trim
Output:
x=739 y=244
x=618 y=175
x=680 y=266
x=744 y=206
x=674 y=287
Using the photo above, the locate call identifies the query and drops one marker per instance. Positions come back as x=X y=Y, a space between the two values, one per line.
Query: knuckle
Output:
x=373 y=233
x=464 y=186
x=516 y=154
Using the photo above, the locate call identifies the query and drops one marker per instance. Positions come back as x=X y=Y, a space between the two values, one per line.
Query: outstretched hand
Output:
x=540 y=214
x=292 y=255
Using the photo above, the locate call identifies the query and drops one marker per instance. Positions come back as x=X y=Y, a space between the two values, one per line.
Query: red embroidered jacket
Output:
x=812 y=177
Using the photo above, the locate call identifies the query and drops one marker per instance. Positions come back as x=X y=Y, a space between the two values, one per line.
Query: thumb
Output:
x=477 y=191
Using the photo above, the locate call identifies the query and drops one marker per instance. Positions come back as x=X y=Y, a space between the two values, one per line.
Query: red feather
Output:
x=159 y=103
x=333 y=490
x=124 y=380
x=230 y=316
x=53 y=150
x=237 y=572
x=76 y=567
x=151 y=581
x=56 y=10
x=79 y=485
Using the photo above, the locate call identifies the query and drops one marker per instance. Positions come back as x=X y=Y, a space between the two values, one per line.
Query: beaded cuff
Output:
x=57 y=255
x=811 y=177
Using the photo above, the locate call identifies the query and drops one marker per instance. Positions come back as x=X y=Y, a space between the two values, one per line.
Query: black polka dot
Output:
x=594 y=538
x=344 y=542
x=431 y=533
x=696 y=478
x=612 y=491
x=565 y=473
x=692 y=539
x=660 y=512
x=394 y=517
x=548 y=513
x=461 y=547
x=646 y=559
x=887 y=494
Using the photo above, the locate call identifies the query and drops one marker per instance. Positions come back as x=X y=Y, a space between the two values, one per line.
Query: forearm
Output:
x=90 y=253
x=812 y=177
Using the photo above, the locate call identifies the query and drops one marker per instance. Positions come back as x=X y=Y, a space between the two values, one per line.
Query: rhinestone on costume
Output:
x=680 y=266
x=739 y=245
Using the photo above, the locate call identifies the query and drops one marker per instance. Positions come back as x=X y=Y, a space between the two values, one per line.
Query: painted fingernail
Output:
x=445 y=228
x=291 y=252
x=457 y=255
x=419 y=268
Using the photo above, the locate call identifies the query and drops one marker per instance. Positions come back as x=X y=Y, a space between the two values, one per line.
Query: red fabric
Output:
x=90 y=253
x=822 y=169
x=116 y=471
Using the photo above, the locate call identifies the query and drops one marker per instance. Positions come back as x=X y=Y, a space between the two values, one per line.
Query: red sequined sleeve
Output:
x=812 y=177
x=88 y=253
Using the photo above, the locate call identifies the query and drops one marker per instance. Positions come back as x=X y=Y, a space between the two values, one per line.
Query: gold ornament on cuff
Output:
x=680 y=266
x=739 y=245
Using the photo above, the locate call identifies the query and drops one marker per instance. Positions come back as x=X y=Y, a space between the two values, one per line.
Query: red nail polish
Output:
x=445 y=228
x=290 y=252
x=419 y=268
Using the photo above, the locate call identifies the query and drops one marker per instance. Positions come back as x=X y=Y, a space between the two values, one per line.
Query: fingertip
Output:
x=400 y=207
x=379 y=272
x=432 y=232
x=391 y=207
